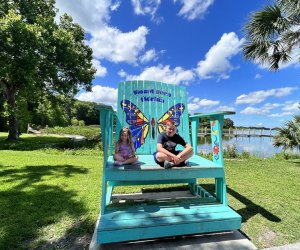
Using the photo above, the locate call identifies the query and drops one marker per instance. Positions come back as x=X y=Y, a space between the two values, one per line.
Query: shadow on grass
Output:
x=251 y=209
x=28 y=208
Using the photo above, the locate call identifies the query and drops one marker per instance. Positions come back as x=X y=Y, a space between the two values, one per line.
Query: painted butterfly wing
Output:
x=138 y=123
x=173 y=114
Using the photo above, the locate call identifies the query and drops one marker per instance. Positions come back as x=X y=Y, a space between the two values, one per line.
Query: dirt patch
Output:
x=267 y=238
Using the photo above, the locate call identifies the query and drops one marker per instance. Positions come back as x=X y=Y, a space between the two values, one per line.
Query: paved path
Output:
x=233 y=240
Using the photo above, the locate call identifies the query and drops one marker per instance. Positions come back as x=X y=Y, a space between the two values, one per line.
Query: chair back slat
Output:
x=144 y=106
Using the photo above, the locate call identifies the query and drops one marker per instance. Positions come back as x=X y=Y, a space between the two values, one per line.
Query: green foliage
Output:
x=272 y=33
x=228 y=123
x=288 y=136
x=230 y=151
x=90 y=133
x=40 y=57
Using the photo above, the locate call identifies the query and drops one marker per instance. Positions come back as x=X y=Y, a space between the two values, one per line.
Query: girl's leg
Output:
x=131 y=160
x=118 y=157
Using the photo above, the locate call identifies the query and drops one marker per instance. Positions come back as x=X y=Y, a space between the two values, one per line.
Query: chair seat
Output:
x=148 y=170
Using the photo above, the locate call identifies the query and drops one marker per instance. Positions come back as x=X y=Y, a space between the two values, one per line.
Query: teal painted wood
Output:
x=138 y=224
x=152 y=100
x=167 y=230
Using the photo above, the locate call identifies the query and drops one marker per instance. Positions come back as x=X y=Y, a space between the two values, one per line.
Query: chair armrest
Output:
x=197 y=116
x=107 y=115
x=216 y=126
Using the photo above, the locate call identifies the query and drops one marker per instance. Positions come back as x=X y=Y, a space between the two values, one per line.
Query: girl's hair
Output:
x=129 y=138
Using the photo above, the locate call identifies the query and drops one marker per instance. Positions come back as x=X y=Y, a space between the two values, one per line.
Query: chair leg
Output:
x=109 y=192
x=192 y=185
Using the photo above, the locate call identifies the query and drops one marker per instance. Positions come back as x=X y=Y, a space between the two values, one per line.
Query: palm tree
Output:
x=272 y=33
x=289 y=135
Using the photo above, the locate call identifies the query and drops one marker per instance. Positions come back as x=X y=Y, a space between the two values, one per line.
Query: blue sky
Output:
x=196 y=43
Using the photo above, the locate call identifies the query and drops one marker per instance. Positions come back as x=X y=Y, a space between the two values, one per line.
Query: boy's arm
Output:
x=188 y=148
x=163 y=150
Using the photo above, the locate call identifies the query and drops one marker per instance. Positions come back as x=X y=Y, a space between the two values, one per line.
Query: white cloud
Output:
x=205 y=102
x=115 y=6
x=90 y=14
x=216 y=63
x=265 y=109
x=291 y=106
x=226 y=108
x=193 y=9
x=100 y=94
x=101 y=71
x=107 y=42
x=197 y=103
x=253 y=111
x=148 y=56
x=281 y=114
x=163 y=74
x=193 y=107
x=147 y=7
x=258 y=76
x=259 y=96
x=116 y=46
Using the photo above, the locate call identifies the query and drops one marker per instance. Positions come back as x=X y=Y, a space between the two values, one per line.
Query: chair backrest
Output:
x=145 y=106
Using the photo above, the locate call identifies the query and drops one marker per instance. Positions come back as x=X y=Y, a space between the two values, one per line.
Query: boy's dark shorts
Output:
x=161 y=163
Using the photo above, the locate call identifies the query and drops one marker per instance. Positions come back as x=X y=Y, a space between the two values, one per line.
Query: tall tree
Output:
x=39 y=56
x=272 y=33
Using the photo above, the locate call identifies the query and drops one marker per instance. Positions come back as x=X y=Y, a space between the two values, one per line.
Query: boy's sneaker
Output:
x=168 y=164
x=186 y=163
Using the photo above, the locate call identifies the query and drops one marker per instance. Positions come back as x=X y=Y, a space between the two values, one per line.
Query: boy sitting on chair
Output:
x=166 y=155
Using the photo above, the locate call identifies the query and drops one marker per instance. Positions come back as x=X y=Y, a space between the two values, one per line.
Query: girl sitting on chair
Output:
x=125 y=153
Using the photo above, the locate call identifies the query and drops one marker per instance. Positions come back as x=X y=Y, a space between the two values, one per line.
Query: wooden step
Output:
x=146 y=221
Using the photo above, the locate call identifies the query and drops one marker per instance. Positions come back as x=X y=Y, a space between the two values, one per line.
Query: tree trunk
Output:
x=13 y=133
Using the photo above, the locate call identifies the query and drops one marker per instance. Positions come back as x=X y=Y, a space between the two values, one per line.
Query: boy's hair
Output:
x=129 y=138
x=170 y=123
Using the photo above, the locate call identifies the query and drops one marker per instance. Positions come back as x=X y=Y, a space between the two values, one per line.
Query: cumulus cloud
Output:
x=265 y=109
x=107 y=42
x=291 y=106
x=115 y=6
x=101 y=71
x=216 y=63
x=90 y=14
x=193 y=9
x=150 y=55
x=260 y=96
x=116 y=46
x=163 y=74
x=226 y=108
x=145 y=7
x=197 y=103
x=100 y=94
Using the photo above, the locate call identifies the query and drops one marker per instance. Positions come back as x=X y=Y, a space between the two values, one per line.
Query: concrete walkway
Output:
x=217 y=241
x=233 y=240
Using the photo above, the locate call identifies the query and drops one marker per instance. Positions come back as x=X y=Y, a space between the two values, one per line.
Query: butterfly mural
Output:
x=139 y=124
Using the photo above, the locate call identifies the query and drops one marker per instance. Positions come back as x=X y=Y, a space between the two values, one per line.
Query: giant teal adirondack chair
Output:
x=144 y=107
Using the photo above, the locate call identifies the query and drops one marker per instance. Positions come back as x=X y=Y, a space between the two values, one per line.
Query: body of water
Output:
x=257 y=146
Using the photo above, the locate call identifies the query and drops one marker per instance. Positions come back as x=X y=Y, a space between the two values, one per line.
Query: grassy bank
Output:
x=50 y=196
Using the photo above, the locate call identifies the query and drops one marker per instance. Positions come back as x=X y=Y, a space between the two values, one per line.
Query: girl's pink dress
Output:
x=125 y=151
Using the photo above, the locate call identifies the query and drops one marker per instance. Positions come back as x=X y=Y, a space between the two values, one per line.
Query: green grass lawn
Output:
x=50 y=198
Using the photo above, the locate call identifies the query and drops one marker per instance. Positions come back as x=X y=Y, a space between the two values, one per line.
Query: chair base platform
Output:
x=127 y=222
